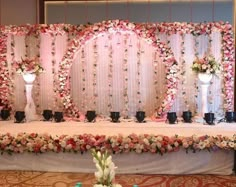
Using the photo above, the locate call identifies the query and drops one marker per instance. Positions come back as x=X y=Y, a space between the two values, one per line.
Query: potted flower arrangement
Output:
x=206 y=67
x=106 y=169
x=28 y=66
x=207 y=64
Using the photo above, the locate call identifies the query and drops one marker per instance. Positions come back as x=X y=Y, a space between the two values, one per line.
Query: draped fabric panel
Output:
x=98 y=80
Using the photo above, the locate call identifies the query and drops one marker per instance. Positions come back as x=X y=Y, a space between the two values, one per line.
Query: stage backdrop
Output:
x=119 y=71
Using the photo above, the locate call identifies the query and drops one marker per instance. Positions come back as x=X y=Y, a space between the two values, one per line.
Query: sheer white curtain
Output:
x=188 y=96
x=144 y=72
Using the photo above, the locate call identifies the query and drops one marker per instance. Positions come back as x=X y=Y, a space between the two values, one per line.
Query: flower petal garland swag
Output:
x=106 y=169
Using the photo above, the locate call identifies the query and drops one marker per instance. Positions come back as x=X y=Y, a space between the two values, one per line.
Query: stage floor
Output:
x=124 y=128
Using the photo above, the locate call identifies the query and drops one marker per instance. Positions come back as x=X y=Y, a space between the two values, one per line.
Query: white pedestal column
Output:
x=30 y=109
x=205 y=82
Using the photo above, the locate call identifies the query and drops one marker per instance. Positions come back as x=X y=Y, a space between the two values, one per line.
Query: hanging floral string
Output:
x=183 y=73
x=94 y=69
x=54 y=74
x=12 y=75
x=155 y=65
x=139 y=104
x=125 y=78
x=110 y=73
x=196 y=88
x=83 y=74
x=210 y=94
x=37 y=80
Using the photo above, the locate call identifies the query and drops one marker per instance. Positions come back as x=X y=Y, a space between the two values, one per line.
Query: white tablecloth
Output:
x=219 y=162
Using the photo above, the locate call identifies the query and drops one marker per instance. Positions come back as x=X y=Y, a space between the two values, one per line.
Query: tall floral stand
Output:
x=204 y=79
x=30 y=109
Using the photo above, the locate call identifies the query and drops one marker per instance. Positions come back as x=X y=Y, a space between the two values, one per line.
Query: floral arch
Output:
x=110 y=27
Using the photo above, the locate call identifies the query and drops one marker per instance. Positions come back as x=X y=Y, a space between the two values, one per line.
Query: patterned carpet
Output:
x=49 y=179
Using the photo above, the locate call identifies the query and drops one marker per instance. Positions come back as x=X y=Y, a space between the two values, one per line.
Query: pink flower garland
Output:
x=4 y=73
x=144 y=143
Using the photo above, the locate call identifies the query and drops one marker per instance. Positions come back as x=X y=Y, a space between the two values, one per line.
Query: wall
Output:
x=145 y=11
x=24 y=11
x=17 y=12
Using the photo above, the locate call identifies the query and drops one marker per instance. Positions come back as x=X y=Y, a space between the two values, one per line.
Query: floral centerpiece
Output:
x=28 y=66
x=106 y=169
x=207 y=64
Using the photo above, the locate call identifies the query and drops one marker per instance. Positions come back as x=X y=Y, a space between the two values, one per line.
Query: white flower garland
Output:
x=125 y=78
x=110 y=73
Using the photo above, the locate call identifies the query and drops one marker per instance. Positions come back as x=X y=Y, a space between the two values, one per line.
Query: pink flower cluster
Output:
x=41 y=143
x=28 y=66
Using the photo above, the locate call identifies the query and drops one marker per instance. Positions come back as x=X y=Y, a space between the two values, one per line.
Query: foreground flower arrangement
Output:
x=106 y=169
x=28 y=66
x=41 y=143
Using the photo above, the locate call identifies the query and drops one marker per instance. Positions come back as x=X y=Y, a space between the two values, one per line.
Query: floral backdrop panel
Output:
x=120 y=71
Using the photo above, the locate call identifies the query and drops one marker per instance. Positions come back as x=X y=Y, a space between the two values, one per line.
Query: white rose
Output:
x=231 y=144
x=202 y=145
x=50 y=146
x=159 y=145
x=176 y=144
x=63 y=144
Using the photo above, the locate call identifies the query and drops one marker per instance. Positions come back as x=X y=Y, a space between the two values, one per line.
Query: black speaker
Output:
x=90 y=115
x=47 y=114
x=171 y=117
x=5 y=114
x=187 y=116
x=229 y=117
x=209 y=118
x=19 y=117
x=58 y=117
x=115 y=117
x=140 y=115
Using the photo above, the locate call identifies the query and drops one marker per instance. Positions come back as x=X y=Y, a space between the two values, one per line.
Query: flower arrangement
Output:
x=207 y=64
x=143 y=143
x=28 y=66
x=106 y=169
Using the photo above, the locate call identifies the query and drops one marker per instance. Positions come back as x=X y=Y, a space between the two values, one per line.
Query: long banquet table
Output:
x=219 y=162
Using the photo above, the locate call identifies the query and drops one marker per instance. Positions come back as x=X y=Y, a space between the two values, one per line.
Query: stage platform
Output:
x=204 y=162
